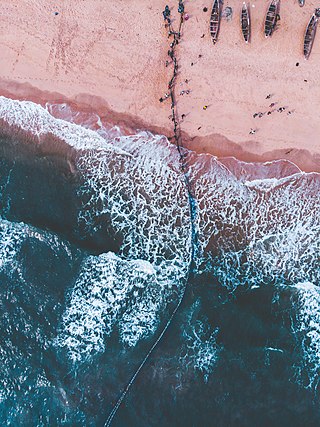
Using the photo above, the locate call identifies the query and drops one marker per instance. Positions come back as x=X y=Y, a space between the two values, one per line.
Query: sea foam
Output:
x=255 y=225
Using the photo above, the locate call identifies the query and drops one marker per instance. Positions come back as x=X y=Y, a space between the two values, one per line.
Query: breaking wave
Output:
x=110 y=291
x=307 y=330
x=257 y=227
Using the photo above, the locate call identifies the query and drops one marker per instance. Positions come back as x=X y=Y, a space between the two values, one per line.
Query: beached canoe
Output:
x=215 y=21
x=271 y=17
x=310 y=33
x=245 y=22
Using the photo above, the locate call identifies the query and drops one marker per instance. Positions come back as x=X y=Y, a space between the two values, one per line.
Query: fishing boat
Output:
x=271 y=18
x=310 y=33
x=215 y=21
x=245 y=22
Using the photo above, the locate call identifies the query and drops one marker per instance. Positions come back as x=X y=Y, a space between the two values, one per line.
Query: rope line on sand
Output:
x=192 y=205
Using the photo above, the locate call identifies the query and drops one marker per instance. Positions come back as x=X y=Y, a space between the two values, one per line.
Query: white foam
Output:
x=274 y=349
x=264 y=230
x=251 y=236
x=200 y=350
x=13 y=235
x=33 y=118
x=136 y=183
x=267 y=184
x=111 y=293
x=144 y=196
x=307 y=329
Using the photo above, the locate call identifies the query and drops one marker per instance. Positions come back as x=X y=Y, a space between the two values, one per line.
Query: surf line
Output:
x=192 y=203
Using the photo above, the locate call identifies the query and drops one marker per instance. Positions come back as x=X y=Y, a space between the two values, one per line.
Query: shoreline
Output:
x=116 y=68
x=215 y=144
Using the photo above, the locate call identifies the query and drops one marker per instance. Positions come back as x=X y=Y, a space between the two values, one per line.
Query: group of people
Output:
x=268 y=113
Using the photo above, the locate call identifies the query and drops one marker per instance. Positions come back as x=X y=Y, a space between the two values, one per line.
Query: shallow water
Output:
x=96 y=250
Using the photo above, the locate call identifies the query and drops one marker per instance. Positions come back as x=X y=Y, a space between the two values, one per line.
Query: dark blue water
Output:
x=95 y=248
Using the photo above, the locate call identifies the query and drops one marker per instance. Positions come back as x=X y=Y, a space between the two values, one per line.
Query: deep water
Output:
x=96 y=245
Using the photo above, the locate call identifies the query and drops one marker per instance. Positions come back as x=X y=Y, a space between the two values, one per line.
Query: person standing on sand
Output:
x=181 y=7
x=166 y=13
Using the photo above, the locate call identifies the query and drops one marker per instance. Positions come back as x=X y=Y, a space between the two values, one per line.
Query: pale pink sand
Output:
x=110 y=56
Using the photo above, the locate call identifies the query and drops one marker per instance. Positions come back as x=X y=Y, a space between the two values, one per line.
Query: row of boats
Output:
x=271 y=19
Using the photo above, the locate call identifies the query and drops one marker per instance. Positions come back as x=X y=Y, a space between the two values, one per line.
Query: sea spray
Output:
x=257 y=232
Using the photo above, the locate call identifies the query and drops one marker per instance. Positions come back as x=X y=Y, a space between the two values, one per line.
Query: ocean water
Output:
x=106 y=255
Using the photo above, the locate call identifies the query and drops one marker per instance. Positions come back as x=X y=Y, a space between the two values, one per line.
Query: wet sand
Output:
x=110 y=57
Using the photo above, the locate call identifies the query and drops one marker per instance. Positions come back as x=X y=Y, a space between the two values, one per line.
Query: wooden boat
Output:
x=271 y=18
x=215 y=21
x=245 y=22
x=310 y=33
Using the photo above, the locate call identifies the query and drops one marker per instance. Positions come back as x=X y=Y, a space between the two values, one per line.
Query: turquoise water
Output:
x=96 y=245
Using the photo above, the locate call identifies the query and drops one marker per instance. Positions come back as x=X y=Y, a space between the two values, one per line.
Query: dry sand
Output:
x=110 y=56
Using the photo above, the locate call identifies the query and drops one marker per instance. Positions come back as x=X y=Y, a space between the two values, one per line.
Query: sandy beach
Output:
x=111 y=57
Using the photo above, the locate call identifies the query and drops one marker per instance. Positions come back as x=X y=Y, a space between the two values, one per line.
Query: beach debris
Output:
x=186 y=17
x=227 y=13
x=310 y=33
x=301 y=3
x=204 y=107
x=205 y=9
x=215 y=21
x=252 y=131
x=268 y=96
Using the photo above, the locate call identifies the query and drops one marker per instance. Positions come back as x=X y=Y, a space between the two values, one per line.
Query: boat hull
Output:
x=215 y=21
x=310 y=35
x=245 y=23
x=271 y=18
